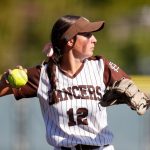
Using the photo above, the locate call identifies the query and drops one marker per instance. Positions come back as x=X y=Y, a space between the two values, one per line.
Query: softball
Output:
x=17 y=78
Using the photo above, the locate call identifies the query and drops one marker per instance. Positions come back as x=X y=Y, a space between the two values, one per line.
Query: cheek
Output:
x=86 y=46
x=82 y=45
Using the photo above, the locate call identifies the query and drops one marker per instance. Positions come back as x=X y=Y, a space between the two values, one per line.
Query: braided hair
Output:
x=58 y=43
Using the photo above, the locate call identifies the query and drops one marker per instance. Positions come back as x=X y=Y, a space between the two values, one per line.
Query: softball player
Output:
x=70 y=85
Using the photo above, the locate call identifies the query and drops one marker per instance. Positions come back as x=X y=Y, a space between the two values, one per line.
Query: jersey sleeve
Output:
x=112 y=72
x=30 y=89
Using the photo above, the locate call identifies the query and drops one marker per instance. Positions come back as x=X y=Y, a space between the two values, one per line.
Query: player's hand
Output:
x=148 y=102
x=21 y=68
x=124 y=91
x=4 y=77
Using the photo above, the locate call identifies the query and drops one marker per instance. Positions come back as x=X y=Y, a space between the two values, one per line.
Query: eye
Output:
x=86 y=34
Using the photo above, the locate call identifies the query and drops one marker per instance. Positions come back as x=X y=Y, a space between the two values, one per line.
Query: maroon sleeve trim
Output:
x=112 y=73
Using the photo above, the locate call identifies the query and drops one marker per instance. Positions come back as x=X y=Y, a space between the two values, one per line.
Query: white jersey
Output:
x=75 y=116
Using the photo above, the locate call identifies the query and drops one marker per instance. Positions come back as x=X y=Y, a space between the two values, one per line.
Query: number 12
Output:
x=81 y=113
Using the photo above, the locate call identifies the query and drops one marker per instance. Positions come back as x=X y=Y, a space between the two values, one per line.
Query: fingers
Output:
x=4 y=77
x=125 y=85
x=140 y=103
x=25 y=70
x=142 y=109
x=20 y=67
x=147 y=99
x=147 y=96
x=9 y=71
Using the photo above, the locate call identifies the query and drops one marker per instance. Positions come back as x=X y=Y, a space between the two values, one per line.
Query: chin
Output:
x=91 y=54
x=88 y=56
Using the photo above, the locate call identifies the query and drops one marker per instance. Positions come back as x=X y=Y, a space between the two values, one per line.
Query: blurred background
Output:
x=25 y=27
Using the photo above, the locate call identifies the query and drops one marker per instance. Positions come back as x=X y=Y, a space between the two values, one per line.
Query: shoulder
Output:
x=100 y=60
x=97 y=57
x=111 y=71
x=107 y=63
x=34 y=71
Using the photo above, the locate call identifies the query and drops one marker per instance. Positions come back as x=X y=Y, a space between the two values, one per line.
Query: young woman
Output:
x=70 y=85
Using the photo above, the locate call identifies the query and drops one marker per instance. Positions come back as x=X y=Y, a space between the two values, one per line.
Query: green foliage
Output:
x=25 y=27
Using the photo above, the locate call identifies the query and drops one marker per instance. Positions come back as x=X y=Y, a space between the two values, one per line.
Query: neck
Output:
x=70 y=64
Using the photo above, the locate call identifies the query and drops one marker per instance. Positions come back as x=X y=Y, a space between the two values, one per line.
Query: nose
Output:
x=93 y=39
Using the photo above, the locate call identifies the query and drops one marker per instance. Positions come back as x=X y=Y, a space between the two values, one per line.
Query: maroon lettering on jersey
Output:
x=91 y=91
x=67 y=93
x=88 y=92
x=75 y=92
x=98 y=91
x=83 y=91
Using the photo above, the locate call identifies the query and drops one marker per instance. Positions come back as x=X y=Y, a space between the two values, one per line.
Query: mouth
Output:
x=92 y=48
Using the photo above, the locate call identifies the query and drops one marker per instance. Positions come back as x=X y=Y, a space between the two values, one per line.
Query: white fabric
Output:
x=87 y=88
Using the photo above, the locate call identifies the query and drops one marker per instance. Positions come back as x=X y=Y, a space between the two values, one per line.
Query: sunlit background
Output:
x=25 y=27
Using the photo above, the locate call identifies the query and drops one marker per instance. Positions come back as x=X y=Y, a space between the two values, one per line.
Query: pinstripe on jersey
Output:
x=75 y=117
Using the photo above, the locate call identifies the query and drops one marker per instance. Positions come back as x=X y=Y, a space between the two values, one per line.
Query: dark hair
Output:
x=58 y=43
x=59 y=28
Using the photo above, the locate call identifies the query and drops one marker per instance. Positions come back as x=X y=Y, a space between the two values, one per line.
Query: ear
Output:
x=70 y=43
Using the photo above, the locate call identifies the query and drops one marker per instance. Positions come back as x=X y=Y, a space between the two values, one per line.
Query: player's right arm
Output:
x=26 y=91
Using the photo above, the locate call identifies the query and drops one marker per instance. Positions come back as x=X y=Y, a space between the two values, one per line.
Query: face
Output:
x=84 y=45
